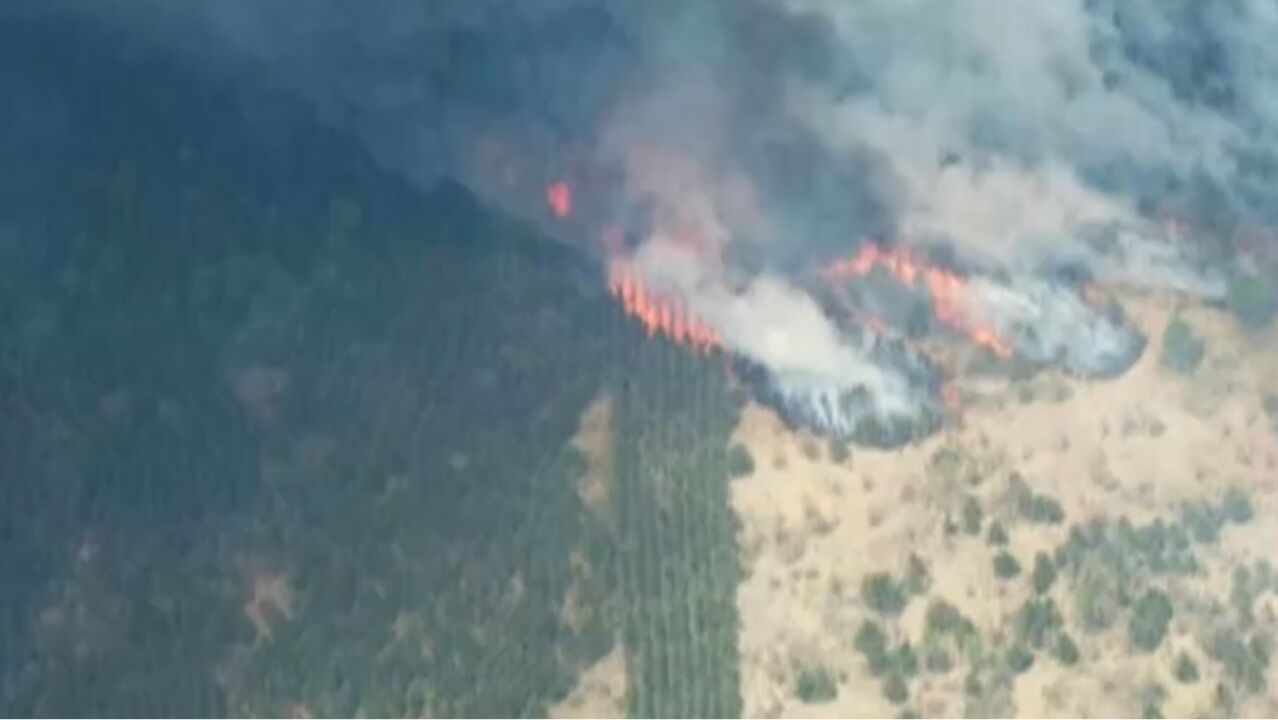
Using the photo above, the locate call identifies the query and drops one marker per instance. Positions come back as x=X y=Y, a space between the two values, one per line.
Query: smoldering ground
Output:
x=741 y=145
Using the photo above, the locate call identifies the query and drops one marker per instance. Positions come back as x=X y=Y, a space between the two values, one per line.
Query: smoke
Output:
x=742 y=145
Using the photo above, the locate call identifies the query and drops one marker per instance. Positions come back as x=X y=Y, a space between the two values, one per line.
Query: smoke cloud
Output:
x=740 y=146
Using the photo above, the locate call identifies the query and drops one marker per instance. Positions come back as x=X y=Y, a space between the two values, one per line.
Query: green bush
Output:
x=1006 y=566
x=1182 y=350
x=895 y=689
x=1042 y=509
x=1186 y=671
x=1044 y=574
x=972 y=516
x=1235 y=506
x=1065 y=650
x=740 y=463
x=883 y=594
x=945 y=619
x=1037 y=621
x=839 y=451
x=1253 y=299
x=815 y=686
x=906 y=662
x=997 y=535
x=1019 y=659
x=1150 y=618
x=871 y=642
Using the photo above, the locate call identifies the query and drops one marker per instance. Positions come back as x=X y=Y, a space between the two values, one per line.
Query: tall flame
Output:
x=559 y=199
x=945 y=289
x=670 y=317
x=658 y=314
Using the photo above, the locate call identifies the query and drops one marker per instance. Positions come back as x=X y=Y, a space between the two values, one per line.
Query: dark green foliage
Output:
x=1150 y=618
x=1037 y=622
x=972 y=516
x=816 y=686
x=1151 y=711
x=1006 y=566
x=939 y=661
x=1242 y=595
x=839 y=452
x=1065 y=650
x=1185 y=670
x=905 y=661
x=883 y=594
x=997 y=535
x=872 y=643
x=740 y=462
x=1254 y=299
x=895 y=688
x=1204 y=521
x=1245 y=661
x=1019 y=659
x=945 y=619
x=972 y=684
x=1041 y=509
x=1235 y=506
x=1182 y=349
x=1044 y=574
x=917 y=576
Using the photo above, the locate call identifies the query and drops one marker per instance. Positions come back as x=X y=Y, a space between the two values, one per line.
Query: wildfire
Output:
x=945 y=289
x=559 y=199
x=657 y=314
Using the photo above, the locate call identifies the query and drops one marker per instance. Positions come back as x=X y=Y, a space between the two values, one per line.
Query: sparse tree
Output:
x=1006 y=566
x=1150 y=618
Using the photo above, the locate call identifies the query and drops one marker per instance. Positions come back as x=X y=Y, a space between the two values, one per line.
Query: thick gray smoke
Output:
x=742 y=144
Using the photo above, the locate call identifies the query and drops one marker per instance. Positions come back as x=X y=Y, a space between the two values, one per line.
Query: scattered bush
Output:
x=883 y=594
x=997 y=535
x=1006 y=566
x=1150 y=618
x=917 y=577
x=906 y=662
x=895 y=689
x=1037 y=621
x=972 y=516
x=1182 y=348
x=1235 y=507
x=1185 y=671
x=839 y=452
x=871 y=642
x=939 y=661
x=740 y=463
x=816 y=685
x=1245 y=663
x=1019 y=659
x=1042 y=509
x=945 y=619
x=1253 y=299
x=1044 y=574
x=1065 y=650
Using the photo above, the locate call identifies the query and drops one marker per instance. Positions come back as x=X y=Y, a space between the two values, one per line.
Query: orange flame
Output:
x=657 y=314
x=945 y=289
x=559 y=198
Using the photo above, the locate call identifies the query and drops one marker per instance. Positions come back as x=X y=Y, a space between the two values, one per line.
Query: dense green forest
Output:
x=282 y=433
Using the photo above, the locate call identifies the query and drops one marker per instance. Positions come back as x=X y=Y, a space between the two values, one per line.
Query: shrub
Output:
x=1019 y=659
x=839 y=451
x=816 y=685
x=883 y=594
x=1045 y=510
x=1150 y=618
x=972 y=516
x=1186 y=671
x=1065 y=650
x=1038 y=620
x=1235 y=506
x=945 y=619
x=997 y=535
x=740 y=463
x=1182 y=348
x=1006 y=566
x=1253 y=299
x=906 y=661
x=917 y=577
x=1044 y=574
x=871 y=642
x=895 y=689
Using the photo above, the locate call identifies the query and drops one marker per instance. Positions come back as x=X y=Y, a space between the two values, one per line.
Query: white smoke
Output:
x=1021 y=135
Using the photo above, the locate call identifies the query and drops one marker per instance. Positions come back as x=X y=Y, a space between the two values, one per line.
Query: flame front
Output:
x=945 y=289
x=658 y=314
